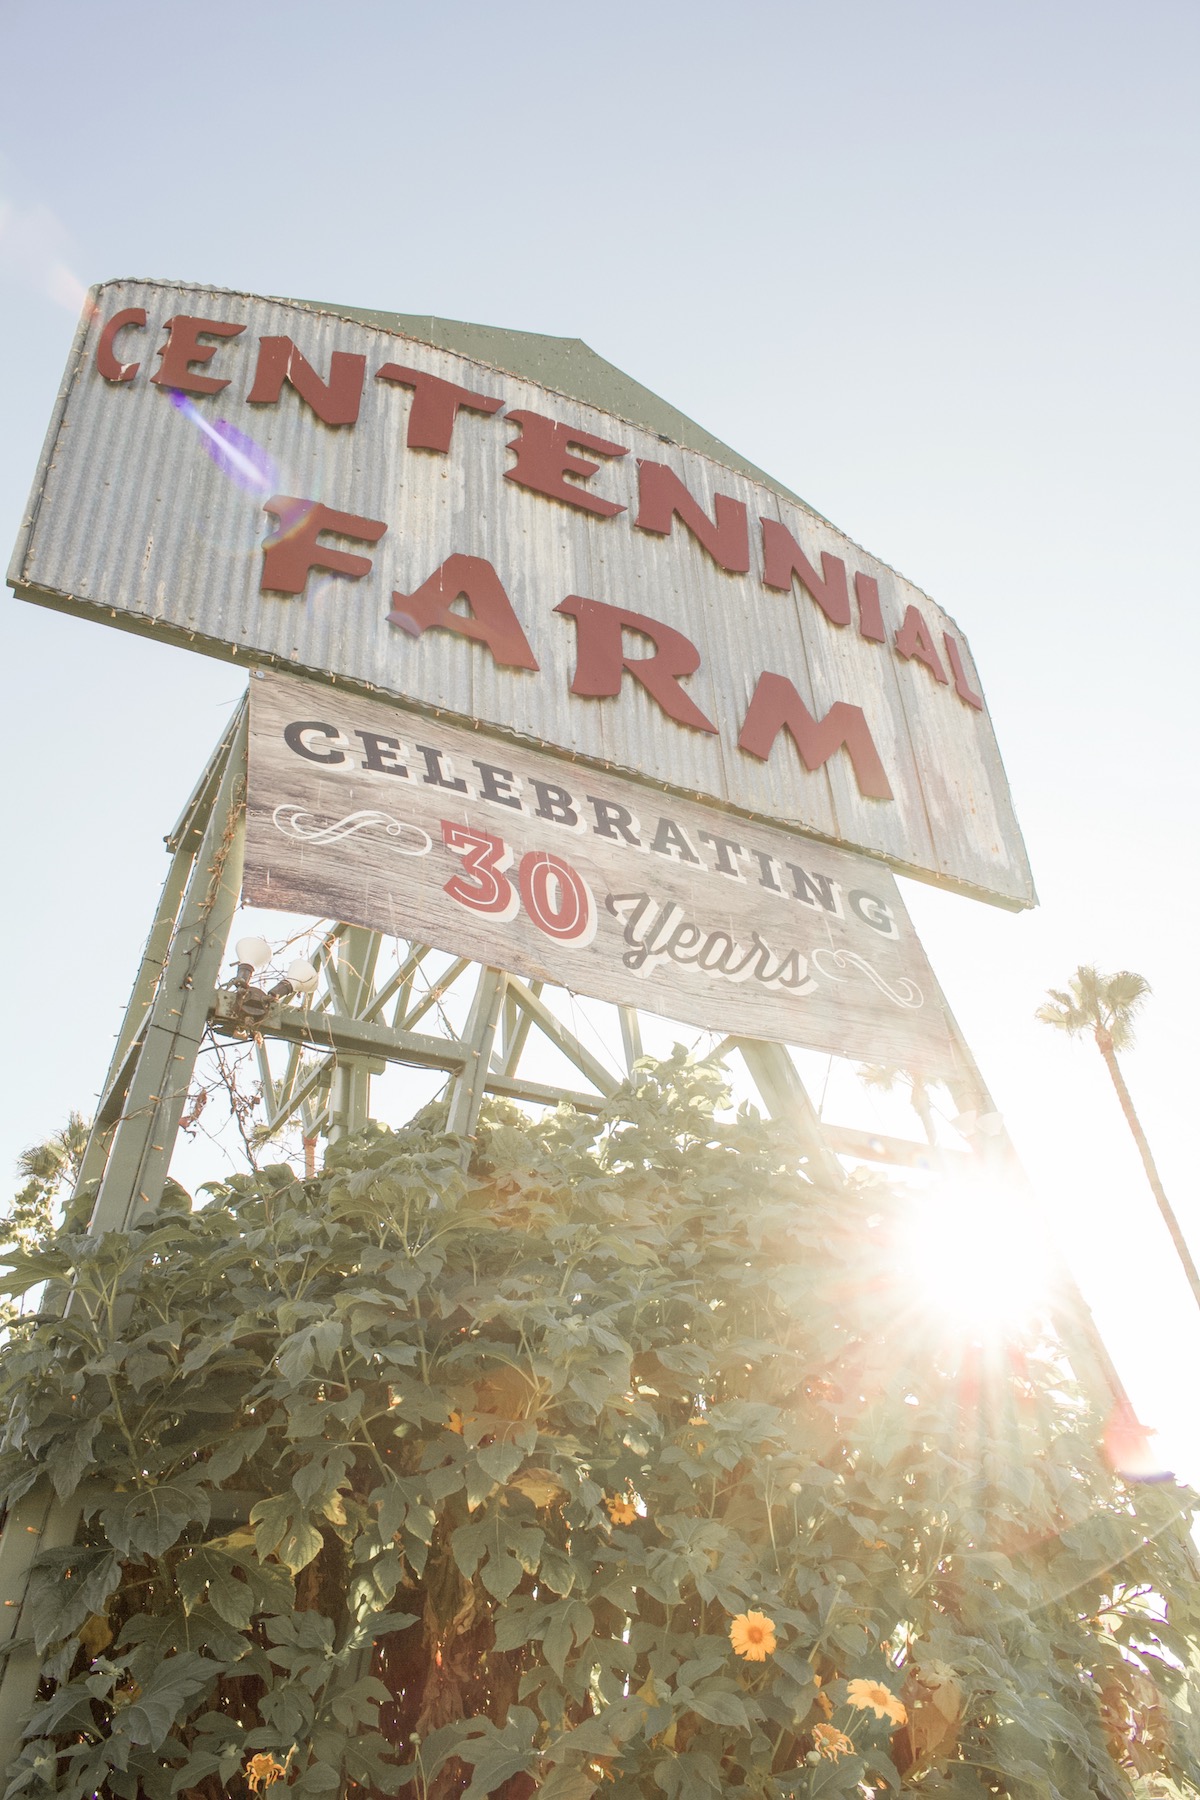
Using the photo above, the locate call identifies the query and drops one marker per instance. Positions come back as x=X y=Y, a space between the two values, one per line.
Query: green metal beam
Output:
x=775 y=1076
x=631 y=1034
x=344 y=1035
x=539 y=1093
x=470 y=1084
x=561 y=1038
x=145 y=1134
x=38 y=1521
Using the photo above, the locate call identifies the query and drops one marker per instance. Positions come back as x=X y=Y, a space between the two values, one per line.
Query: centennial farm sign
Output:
x=302 y=489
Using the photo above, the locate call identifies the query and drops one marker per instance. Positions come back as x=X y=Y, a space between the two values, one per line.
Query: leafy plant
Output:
x=619 y=1461
x=46 y=1170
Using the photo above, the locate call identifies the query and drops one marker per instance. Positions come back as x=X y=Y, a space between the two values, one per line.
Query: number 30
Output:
x=556 y=897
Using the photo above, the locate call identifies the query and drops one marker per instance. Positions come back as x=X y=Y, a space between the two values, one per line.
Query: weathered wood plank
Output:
x=585 y=880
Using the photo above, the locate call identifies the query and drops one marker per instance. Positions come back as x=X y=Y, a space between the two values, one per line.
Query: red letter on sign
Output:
x=336 y=401
x=783 y=558
x=870 y=614
x=545 y=459
x=777 y=706
x=485 y=857
x=663 y=498
x=435 y=405
x=600 y=659
x=291 y=551
x=557 y=898
x=962 y=686
x=106 y=361
x=492 y=622
x=913 y=640
x=183 y=348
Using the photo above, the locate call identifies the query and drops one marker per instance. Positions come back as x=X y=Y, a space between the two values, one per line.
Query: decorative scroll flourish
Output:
x=905 y=993
x=293 y=821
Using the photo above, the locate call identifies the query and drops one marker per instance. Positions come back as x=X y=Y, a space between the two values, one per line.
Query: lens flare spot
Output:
x=236 y=454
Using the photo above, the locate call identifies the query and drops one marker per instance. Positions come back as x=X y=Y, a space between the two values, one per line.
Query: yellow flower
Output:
x=263 y=1771
x=881 y=1700
x=830 y=1743
x=620 y=1510
x=455 y=1423
x=752 y=1635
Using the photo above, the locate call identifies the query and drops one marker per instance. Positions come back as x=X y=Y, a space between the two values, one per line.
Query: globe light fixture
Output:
x=250 y=953
x=254 y=1003
x=253 y=950
x=302 y=977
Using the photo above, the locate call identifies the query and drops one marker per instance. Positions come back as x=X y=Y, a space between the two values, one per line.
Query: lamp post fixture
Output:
x=254 y=1003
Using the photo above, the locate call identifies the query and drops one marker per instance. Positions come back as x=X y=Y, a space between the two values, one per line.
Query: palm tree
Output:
x=1106 y=1006
x=60 y=1157
x=46 y=1171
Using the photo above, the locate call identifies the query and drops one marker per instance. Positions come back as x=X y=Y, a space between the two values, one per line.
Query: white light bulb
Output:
x=253 y=950
x=302 y=976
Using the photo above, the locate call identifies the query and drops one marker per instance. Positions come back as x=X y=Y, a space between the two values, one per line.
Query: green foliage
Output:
x=45 y=1171
x=354 y=1453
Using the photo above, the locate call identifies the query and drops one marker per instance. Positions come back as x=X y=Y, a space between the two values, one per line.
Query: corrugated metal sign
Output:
x=262 y=479
x=383 y=817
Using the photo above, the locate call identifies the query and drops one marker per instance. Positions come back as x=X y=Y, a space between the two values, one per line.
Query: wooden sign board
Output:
x=302 y=489
x=376 y=815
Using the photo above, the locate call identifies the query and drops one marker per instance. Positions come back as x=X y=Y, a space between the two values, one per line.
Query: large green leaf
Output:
x=151 y=1716
x=721 y=1705
x=282 y=1530
x=66 y=1587
x=147 y=1520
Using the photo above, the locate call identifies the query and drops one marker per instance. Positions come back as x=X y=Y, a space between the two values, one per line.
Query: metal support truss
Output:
x=376 y=1005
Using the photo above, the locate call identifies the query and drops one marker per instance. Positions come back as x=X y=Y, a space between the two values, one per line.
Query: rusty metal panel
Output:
x=771 y=935
x=142 y=518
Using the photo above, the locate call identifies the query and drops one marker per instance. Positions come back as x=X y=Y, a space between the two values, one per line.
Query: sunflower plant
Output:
x=611 y=1460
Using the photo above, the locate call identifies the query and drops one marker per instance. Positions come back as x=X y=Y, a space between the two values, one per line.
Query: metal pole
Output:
x=466 y=1094
x=631 y=1035
x=112 y=1094
x=38 y=1521
x=350 y=1089
x=778 y=1081
x=178 y=1016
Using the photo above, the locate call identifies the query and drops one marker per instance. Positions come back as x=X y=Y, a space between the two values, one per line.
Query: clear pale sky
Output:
x=932 y=264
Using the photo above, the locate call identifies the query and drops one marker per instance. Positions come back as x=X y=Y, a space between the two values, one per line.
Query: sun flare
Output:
x=976 y=1258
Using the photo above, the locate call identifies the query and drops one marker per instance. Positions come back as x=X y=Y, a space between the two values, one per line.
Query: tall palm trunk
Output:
x=1105 y=1045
